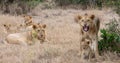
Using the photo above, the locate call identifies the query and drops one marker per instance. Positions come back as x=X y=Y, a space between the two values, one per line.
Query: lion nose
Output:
x=41 y=35
x=83 y=47
x=85 y=24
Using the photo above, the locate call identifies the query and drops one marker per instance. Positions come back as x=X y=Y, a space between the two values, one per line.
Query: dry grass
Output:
x=62 y=35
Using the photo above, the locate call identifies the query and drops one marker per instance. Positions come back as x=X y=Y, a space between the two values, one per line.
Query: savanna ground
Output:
x=62 y=35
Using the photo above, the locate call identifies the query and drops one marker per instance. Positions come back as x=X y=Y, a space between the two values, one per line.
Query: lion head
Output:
x=85 y=21
x=7 y=26
x=28 y=20
x=39 y=32
x=85 y=43
x=86 y=50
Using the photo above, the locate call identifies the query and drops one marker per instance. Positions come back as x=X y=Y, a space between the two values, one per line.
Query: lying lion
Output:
x=28 y=20
x=28 y=37
x=27 y=23
x=9 y=28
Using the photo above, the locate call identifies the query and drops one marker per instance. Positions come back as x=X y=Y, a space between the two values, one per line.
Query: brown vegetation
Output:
x=62 y=35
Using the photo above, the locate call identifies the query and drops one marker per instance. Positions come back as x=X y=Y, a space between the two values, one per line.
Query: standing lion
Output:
x=89 y=26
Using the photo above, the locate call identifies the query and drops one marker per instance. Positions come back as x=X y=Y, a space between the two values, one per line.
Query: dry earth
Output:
x=62 y=36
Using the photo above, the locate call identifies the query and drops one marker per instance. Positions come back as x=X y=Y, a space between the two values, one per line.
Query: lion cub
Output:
x=7 y=27
x=28 y=37
x=86 y=51
x=28 y=22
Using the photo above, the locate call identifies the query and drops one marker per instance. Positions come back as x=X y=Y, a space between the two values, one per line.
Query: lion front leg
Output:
x=80 y=51
x=95 y=47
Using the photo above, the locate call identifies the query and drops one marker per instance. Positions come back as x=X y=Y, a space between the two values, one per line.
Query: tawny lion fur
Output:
x=28 y=20
x=89 y=26
x=28 y=37
x=26 y=25
x=86 y=51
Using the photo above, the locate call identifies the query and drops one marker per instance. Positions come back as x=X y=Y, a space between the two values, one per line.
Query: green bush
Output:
x=110 y=38
x=109 y=41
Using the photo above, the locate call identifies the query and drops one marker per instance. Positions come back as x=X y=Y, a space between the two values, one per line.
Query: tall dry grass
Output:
x=62 y=36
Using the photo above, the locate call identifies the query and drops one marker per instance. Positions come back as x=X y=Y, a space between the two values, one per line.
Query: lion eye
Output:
x=38 y=30
x=88 y=20
x=88 y=42
x=82 y=20
x=43 y=30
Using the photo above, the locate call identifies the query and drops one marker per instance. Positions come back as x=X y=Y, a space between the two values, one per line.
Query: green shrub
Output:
x=110 y=38
x=109 y=41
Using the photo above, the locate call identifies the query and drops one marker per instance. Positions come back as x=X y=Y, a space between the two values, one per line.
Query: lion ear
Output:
x=30 y=17
x=34 y=26
x=9 y=25
x=77 y=18
x=44 y=25
x=4 y=25
x=92 y=17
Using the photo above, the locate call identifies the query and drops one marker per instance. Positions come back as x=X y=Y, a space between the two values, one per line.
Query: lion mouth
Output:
x=85 y=28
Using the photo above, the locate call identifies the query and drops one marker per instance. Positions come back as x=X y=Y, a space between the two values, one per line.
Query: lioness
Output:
x=26 y=25
x=86 y=51
x=89 y=26
x=28 y=37
x=28 y=20
x=7 y=27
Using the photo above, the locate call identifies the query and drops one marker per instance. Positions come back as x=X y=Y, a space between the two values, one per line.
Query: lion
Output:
x=7 y=26
x=89 y=26
x=28 y=20
x=26 y=25
x=86 y=51
x=28 y=37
